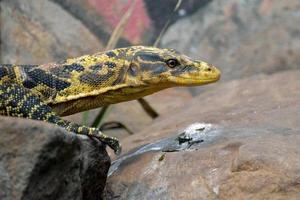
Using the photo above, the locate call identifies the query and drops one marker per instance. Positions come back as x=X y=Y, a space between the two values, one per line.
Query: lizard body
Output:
x=46 y=92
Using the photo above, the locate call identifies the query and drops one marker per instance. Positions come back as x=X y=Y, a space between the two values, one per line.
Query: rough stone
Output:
x=242 y=38
x=253 y=153
x=38 y=32
x=42 y=161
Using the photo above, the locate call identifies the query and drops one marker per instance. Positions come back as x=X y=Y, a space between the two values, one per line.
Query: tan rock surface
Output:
x=253 y=152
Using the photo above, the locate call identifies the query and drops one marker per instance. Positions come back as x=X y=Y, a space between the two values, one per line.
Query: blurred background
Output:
x=241 y=37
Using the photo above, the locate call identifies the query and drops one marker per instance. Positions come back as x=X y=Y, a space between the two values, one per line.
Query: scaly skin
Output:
x=45 y=92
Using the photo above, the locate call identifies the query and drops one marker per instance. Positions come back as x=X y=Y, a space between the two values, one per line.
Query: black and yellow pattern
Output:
x=45 y=92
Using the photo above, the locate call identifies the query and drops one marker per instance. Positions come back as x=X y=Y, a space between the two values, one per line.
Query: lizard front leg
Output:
x=18 y=101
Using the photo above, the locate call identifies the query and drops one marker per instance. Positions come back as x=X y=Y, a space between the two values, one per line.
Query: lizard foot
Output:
x=112 y=142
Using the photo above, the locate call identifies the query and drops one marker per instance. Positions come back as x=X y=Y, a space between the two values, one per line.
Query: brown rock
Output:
x=242 y=38
x=42 y=161
x=251 y=150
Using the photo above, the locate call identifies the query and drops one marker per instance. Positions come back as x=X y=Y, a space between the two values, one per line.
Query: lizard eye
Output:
x=172 y=63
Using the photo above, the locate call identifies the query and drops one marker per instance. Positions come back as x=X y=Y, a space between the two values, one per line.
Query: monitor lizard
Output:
x=48 y=91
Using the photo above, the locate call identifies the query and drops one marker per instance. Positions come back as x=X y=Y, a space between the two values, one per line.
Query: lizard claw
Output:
x=118 y=150
x=112 y=142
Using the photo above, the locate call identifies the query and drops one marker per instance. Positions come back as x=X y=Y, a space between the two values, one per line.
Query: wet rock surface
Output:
x=42 y=161
x=252 y=151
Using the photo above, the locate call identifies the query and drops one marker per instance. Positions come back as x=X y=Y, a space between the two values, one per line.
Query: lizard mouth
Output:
x=196 y=79
x=195 y=82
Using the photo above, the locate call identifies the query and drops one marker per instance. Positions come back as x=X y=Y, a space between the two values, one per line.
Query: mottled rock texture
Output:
x=42 y=161
x=255 y=154
x=242 y=38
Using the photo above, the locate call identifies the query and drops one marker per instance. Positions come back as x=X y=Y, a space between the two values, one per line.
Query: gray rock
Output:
x=42 y=161
x=242 y=38
x=38 y=32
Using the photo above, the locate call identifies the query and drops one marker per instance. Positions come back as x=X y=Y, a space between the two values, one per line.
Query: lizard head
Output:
x=167 y=68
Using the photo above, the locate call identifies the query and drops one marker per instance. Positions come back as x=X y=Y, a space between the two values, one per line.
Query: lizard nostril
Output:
x=209 y=69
